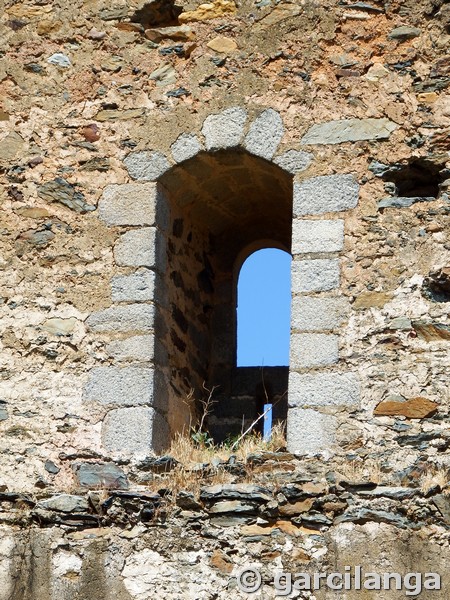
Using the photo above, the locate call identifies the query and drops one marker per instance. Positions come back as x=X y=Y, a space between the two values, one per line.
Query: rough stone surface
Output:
x=101 y=476
x=133 y=317
x=349 y=130
x=265 y=134
x=329 y=193
x=414 y=408
x=137 y=347
x=139 y=286
x=125 y=386
x=317 y=236
x=186 y=146
x=146 y=165
x=318 y=314
x=128 y=204
x=323 y=389
x=317 y=275
x=144 y=247
x=294 y=161
x=402 y=202
x=65 y=503
x=313 y=350
x=225 y=129
x=310 y=432
x=139 y=430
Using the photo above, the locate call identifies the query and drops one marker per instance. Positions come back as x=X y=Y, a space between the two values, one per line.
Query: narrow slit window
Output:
x=263 y=309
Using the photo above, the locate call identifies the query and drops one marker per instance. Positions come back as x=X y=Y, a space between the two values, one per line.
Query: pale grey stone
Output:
x=225 y=129
x=404 y=33
x=132 y=317
x=144 y=247
x=265 y=134
x=349 y=130
x=327 y=193
x=128 y=204
x=139 y=286
x=294 y=161
x=310 y=432
x=313 y=350
x=186 y=146
x=137 y=347
x=318 y=314
x=315 y=275
x=323 y=389
x=126 y=386
x=317 y=236
x=400 y=323
x=146 y=165
x=135 y=431
x=65 y=503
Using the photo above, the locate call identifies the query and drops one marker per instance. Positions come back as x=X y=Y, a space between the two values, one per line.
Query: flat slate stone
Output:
x=403 y=202
x=101 y=475
x=349 y=130
x=66 y=503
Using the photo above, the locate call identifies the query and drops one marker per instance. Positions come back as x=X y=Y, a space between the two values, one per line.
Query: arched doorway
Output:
x=218 y=207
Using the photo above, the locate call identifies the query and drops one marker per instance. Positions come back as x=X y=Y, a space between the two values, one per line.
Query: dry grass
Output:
x=434 y=477
x=187 y=476
x=188 y=453
x=369 y=470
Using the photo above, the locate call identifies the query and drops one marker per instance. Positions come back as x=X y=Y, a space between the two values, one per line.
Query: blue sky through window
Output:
x=263 y=309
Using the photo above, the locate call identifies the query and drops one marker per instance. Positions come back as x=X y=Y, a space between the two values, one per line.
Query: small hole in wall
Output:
x=263 y=309
x=418 y=177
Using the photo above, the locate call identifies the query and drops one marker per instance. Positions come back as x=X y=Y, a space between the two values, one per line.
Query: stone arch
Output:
x=184 y=221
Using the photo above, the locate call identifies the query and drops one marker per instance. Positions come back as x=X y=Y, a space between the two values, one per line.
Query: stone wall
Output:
x=320 y=128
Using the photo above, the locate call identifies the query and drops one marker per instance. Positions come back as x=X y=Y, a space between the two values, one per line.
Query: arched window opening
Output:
x=263 y=309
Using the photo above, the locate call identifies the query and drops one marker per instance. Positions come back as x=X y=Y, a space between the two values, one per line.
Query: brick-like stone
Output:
x=317 y=236
x=328 y=193
x=225 y=129
x=128 y=204
x=132 y=317
x=313 y=350
x=137 y=347
x=135 y=431
x=318 y=314
x=265 y=134
x=144 y=247
x=125 y=386
x=139 y=286
x=294 y=161
x=186 y=146
x=349 y=130
x=323 y=389
x=310 y=432
x=142 y=348
x=315 y=275
x=146 y=166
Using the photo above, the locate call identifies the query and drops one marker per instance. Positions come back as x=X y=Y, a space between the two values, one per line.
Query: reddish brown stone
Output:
x=414 y=408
